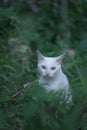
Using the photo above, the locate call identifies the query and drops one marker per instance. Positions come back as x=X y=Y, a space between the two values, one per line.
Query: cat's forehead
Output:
x=49 y=61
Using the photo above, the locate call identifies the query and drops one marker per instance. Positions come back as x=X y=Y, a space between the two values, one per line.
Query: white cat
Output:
x=52 y=77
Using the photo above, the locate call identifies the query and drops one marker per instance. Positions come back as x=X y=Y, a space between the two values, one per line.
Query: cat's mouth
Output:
x=48 y=76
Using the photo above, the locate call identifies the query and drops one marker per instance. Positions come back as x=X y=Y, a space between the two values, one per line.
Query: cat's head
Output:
x=49 y=66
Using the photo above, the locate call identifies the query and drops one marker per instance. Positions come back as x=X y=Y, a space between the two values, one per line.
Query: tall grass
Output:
x=32 y=108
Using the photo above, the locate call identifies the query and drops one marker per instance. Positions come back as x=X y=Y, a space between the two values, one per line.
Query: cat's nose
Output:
x=47 y=74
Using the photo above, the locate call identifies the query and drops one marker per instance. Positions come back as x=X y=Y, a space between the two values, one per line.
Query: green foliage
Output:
x=7 y=22
x=34 y=108
x=2 y=119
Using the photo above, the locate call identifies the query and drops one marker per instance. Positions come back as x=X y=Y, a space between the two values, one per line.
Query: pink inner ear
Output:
x=40 y=56
x=60 y=58
x=58 y=61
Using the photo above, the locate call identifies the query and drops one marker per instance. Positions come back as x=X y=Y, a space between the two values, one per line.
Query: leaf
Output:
x=4 y=77
x=9 y=67
x=39 y=93
x=6 y=11
x=30 y=110
x=2 y=118
x=83 y=45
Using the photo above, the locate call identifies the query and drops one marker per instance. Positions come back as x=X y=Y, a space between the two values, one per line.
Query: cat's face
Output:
x=48 y=66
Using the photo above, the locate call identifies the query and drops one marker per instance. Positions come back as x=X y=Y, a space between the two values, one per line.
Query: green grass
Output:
x=29 y=25
x=34 y=109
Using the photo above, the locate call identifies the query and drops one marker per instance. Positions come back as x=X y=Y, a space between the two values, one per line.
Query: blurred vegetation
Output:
x=52 y=27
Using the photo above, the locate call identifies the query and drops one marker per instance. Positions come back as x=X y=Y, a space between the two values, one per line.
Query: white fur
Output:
x=52 y=80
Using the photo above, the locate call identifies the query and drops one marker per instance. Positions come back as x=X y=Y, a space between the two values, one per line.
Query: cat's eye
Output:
x=53 y=68
x=43 y=67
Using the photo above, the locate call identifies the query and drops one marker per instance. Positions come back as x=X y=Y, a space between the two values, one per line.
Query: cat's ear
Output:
x=40 y=56
x=60 y=58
